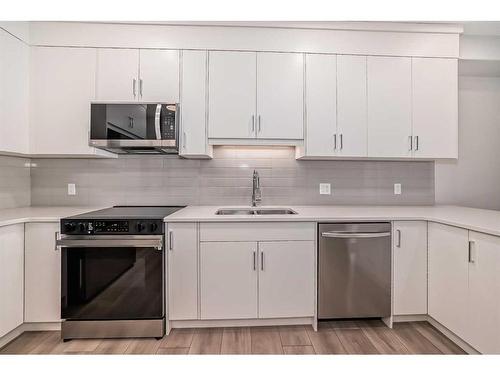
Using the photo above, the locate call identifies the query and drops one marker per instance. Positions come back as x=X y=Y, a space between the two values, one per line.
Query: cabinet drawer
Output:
x=262 y=231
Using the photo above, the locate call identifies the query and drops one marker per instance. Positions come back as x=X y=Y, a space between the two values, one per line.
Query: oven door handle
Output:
x=157 y=243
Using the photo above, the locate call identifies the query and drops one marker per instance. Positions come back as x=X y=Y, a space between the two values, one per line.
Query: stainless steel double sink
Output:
x=255 y=211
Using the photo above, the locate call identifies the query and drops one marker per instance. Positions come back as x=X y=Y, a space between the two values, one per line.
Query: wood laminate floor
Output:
x=345 y=337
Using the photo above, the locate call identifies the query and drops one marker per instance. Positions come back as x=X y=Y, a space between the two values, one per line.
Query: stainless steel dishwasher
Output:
x=354 y=270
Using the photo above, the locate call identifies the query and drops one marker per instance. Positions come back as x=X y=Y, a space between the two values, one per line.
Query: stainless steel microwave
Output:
x=135 y=128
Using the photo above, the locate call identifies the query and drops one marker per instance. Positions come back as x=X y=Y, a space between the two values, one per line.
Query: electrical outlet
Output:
x=71 y=189
x=397 y=189
x=325 y=189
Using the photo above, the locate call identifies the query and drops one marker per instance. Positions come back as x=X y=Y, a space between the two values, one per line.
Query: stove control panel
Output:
x=104 y=227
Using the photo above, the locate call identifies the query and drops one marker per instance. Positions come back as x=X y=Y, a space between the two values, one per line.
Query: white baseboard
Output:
x=240 y=322
x=25 y=327
x=410 y=318
x=441 y=328
x=457 y=340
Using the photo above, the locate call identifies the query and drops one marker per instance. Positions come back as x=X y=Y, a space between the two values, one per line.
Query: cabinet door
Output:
x=117 y=74
x=389 y=106
x=435 y=107
x=159 y=76
x=42 y=293
x=228 y=280
x=14 y=94
x=182 y=271
x=286 y=279
x=321 y=105
x=280 y=95
x=194 y=108
x=231 y=101
x=448 y=276
x=11 y=277
x=62 y=86
x=410 y=267
x=351 y=106
x=483 y=321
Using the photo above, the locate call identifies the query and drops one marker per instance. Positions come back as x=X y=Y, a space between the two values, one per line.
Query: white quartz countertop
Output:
x=21 y=215
x=486 y=221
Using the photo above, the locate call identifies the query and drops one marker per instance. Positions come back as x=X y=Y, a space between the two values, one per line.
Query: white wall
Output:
x=474 y=180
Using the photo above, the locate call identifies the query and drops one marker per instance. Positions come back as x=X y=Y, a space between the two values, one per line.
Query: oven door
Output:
x=112 y=278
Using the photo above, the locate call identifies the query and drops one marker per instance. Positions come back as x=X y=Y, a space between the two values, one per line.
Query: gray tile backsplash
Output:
x=14 y=182
x=226 y=180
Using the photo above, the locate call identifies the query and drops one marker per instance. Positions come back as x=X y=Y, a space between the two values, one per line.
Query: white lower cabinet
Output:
x=228 y=273
x=448 y=277
x=410 y=267
x=11 y=277
x=42 y=280
x=241 y=270
x=483 y=302
x=286 y=279
x=182 y=277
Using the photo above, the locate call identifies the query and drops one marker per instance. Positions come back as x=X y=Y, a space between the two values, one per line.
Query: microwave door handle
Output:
x=157 y=121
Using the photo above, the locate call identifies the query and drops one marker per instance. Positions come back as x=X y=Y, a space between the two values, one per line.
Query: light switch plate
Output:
x=397 y=189
x=71 y=189
x=325 y=189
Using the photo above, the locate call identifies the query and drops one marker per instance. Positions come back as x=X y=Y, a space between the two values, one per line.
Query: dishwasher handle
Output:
x=355 y=234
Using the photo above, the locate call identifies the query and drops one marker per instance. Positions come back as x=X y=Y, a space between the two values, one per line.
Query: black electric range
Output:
x=113 y=272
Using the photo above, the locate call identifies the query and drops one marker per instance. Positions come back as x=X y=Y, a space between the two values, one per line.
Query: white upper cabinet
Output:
x=232 y=88
x=14 y=94
x=448 y=276
x=321 y=105
x=280 y=95
x=410 y=267
x=193 y=97
x=255 y=95
x=159 y=76
x=483 y=320
x=389 y=106
x=351 y=106
x=435 y=107
x=138 y=75
x=11 y=277
x=61 y=88
x=117 y=74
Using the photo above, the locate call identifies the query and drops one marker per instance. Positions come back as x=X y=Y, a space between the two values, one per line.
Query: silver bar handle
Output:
x=341 y=141
x=83 y=243
x=355 y=235
x=140 y=87
x=262 y=261
x=171 y=240
x=57 y=238
x=411 y=142
x=416 y=143
x=134 y=81
x=472 y=257
x=258 y=123
x=253 y=124
x=398 y=231
x=335 y=141
x=184 y=140
x=254 y=261
x=157 y=121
